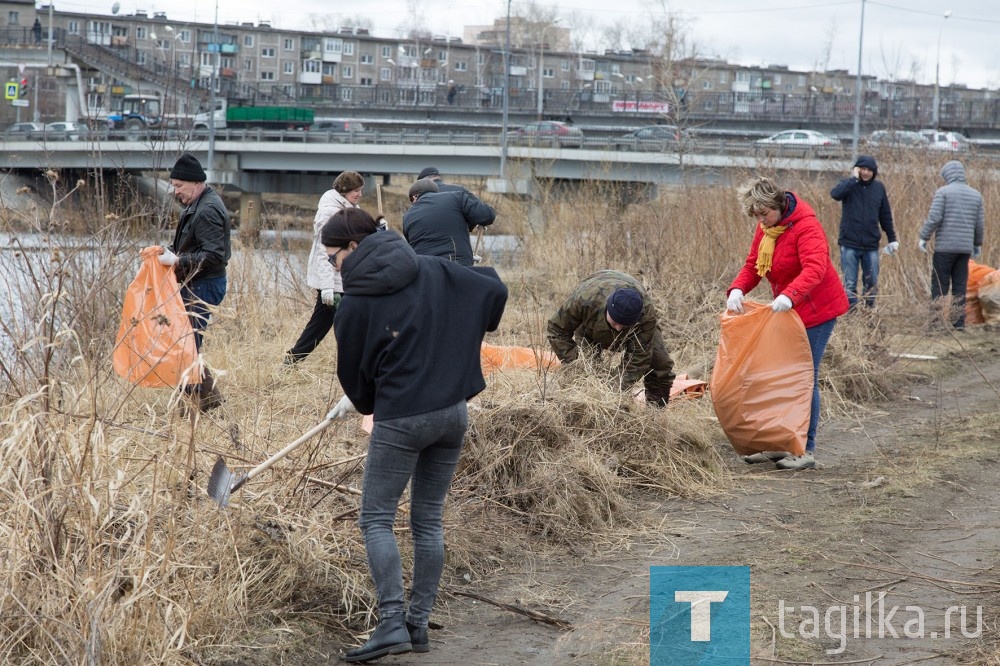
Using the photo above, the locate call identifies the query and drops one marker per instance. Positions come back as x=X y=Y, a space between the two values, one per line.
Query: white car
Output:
x=63 y=131
x=799 y=138
x=949 y=141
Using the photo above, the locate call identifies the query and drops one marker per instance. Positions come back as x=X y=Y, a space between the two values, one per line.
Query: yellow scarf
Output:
x=765 y=251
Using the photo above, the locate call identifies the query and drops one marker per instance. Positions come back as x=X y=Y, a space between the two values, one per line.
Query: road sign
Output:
x=11 y=89
x=19 y=102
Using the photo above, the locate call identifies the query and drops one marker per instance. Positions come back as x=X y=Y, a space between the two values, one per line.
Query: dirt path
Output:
x=905 y=502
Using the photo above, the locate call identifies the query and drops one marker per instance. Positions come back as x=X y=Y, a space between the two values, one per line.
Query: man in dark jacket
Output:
x=864 y=209
x=199 y=255
x=413 y=366
x=610 y=310
x=438 y=223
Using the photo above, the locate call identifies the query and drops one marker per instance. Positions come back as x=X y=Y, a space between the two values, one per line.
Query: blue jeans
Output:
x=818 y=335
x=422 y=450
x=850 y=260
x=198 y=295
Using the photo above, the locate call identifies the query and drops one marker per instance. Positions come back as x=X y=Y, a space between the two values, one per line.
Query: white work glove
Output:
x=922 y=245
x=891 y=248
x=976 y=251
x=167 y=258
x=781 y=304
x=329 y=297
x=341 y=410
x=735 y=301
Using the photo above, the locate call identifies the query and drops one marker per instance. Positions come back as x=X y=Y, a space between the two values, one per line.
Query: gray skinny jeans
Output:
x=424 y=451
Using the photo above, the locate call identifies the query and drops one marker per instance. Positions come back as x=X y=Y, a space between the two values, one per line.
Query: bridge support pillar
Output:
x=250 y=210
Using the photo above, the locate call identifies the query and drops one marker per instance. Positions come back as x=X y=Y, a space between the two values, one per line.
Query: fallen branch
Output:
x=534 y=615
x=335 y=486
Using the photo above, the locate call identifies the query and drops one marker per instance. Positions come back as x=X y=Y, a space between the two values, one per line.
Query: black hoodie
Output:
x=409 y=328
x=864 y=208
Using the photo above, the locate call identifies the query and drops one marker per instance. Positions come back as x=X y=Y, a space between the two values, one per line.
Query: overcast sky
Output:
x=900 y=36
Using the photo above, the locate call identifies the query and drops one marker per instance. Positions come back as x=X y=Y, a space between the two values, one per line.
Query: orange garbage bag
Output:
x=155 y=344
x=989 y=297
x=762 y=382
x=978 y=275
x=496 y=357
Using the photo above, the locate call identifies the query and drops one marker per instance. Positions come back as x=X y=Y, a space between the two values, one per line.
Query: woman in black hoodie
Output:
x=409 y=331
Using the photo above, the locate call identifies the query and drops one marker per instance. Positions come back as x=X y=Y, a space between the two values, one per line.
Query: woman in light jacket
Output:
x=346 y=193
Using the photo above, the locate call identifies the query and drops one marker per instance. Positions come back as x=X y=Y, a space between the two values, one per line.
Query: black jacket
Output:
x=438 y=224
x=203 y=242
x=864 y=208
x=409 y=328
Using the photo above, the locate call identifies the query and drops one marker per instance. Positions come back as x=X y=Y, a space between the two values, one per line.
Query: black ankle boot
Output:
x=418 y=638
x=391 y=637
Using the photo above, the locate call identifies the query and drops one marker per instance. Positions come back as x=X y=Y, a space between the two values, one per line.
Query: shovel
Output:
x=223 y=483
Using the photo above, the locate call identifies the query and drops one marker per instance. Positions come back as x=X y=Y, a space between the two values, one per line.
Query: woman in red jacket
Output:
x=790 y=249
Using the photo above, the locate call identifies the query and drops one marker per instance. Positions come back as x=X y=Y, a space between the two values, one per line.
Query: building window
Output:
x=73 y=27
x=348 y=48
x=548 y=72
x=480 y=58
x=723 y=76
x=333 y=45
x=140 y=32
x=289 y=44
x=13 y=18
x=367 y=59
x=347 y=94
x=706 y=85
x=247 y=63
x=564 y=65
x=802 y=80
x=788 y=87
x=366 y=81
x=385 y=74
x=140 y=57
x=776 y=79
x=267 y=52
x=442 y=56
x=312 y=66
x=289 y=68
x=386 y=51
x=742 y=77
x=347 y=72
x=267 y=76
x=248 y=40
x=564 y=85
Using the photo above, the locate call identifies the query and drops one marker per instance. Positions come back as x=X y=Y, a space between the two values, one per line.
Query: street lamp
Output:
x=541 y=69
x=506 y=102
x=857 y=89
x=937 y=75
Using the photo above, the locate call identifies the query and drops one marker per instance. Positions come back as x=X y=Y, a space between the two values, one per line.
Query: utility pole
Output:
x=857 y=89
x=210 y=171
x=506 y=103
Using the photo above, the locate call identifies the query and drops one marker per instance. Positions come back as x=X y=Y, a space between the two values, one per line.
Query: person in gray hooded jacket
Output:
x=955 y=221
x=864 y=209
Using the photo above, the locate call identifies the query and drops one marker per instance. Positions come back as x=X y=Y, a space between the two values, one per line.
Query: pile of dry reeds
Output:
x=112 y=553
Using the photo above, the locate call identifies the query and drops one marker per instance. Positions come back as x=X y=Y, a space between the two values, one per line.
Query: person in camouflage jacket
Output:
x=587 y=320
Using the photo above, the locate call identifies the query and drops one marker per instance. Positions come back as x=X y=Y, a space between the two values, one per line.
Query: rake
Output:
x=223 y=483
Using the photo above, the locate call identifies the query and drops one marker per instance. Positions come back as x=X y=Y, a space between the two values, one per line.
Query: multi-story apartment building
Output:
x=353 y=70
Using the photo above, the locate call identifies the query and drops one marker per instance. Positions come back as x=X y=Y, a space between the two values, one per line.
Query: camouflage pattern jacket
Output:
x=582 y=319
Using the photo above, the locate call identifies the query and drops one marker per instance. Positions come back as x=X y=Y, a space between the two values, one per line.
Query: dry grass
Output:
x=113 y=554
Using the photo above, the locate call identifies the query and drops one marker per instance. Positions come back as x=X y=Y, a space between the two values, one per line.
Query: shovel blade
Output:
x=220 y=483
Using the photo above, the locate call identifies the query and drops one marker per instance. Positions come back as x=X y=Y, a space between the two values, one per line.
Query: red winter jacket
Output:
x=800 y=269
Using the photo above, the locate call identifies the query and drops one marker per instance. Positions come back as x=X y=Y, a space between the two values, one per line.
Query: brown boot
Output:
x=211 y=397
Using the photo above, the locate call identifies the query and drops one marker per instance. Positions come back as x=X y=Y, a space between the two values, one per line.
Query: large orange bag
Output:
x=762 y=381
x=155 y=344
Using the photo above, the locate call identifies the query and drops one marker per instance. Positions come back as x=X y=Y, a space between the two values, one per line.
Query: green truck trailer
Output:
x=256 y=117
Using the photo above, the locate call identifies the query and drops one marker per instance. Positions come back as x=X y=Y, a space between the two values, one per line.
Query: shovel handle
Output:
x=264 y=466
x=378 y=196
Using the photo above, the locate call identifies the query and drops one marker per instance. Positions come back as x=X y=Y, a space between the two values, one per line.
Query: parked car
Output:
x=657 y=138
x=798 y=137
x=337 y=126
x=941 y=140
x=23 y=130
x=66 y=131
x=895 y=139
x=547 y=133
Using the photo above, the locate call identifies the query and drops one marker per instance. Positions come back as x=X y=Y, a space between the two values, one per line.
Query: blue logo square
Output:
x=699 y=616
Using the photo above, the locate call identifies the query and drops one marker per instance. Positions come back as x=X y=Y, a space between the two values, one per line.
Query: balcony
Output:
x=331 y=56
x=311 y=78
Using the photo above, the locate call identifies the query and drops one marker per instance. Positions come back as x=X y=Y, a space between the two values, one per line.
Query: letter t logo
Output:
x=701 y=610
